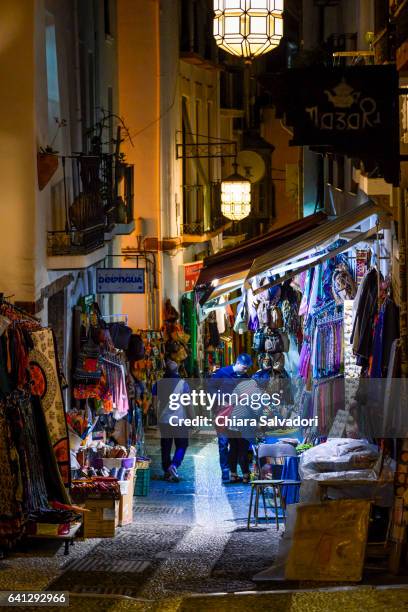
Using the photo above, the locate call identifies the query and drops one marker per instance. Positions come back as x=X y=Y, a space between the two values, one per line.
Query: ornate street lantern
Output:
x=236 y=196
x=248 y=28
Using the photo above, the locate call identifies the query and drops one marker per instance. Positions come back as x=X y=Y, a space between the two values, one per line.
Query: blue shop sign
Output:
x=120 y=280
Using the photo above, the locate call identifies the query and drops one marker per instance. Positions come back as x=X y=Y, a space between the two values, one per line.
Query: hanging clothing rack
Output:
x=330 y=319
x=115 y=363
x=24 y=313
x=327 y=379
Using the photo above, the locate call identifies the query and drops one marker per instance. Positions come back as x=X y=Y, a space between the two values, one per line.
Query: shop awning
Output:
x=234 y=264
x=292 y=254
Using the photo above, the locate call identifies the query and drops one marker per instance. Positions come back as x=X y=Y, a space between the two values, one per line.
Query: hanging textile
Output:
x=46 y=386
x=19 y=410
x=116 y=382
x=386 y=330
x=327 y=399
x=11 y=492
x=365 y=312
x=327 y=354
x=362 y=262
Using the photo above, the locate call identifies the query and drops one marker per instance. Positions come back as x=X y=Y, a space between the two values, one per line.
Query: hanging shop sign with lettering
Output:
x=191 y=274
x=120 y=280
x=350 y=110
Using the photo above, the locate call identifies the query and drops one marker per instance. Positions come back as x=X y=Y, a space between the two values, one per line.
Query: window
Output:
x=53 y=93
x=209 y=133
x=107 y=18
x=91 y=89
x=110 y=111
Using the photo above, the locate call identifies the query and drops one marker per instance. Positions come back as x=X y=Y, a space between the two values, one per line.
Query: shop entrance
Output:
x=57 y=321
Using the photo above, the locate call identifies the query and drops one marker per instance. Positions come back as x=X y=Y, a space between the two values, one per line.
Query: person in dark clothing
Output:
x=170 y=464
x=230 y=376
x=238 y=455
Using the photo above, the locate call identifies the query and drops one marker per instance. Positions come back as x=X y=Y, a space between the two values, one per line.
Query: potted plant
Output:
x=47 y=160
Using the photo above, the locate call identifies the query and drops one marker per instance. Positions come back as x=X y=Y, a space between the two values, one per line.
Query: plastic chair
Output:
x=278 y=452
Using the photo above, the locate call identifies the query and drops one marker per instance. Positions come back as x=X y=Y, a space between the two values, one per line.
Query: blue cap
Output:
x=244 y=359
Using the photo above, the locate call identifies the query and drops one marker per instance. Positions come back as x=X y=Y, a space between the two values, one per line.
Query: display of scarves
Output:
x=304 y=360
x=327 y=353
x=304 y=304
x=46 y=386
x=316 y=293
x=327 y=398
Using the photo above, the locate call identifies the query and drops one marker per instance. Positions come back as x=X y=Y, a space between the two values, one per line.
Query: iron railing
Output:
x=96 y=192
x=194 y=202
x=198 y=228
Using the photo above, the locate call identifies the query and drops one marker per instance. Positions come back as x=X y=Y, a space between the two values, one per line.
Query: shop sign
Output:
x=350 y=110
x=120 y=280
x=191 y=274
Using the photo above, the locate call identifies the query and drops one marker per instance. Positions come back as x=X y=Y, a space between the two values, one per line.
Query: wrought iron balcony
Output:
x=202 y=209
x=95 y=194
x=198 y=229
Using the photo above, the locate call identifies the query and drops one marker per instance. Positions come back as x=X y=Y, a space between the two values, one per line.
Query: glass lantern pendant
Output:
x=236 y=197
x=248 y=28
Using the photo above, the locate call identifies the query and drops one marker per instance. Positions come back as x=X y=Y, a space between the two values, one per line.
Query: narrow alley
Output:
x=186 y=537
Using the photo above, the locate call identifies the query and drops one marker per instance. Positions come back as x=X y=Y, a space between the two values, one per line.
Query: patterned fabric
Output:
x=46 y=386
x=343 y=286
x=10 y=484
x=20 y=416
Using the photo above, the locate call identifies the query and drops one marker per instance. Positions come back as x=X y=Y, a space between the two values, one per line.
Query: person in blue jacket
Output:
x=170 y=435
x=230 y=375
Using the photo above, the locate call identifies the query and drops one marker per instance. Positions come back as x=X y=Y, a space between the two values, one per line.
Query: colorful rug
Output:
x=46 y=386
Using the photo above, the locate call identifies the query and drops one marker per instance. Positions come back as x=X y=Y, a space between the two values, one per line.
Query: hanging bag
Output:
x=241 y=321
x=277 y=342
x=275 y=317
x=258 y=344
x=120 y=334
x=136 y=349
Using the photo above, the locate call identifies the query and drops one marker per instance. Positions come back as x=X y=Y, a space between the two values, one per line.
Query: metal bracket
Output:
x=210 y=149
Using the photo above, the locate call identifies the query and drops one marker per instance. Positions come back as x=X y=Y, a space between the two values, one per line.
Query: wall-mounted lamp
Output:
x=236 y=196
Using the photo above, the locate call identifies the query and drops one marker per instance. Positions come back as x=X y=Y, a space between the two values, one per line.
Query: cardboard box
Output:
x=102 y=519
x=126 y=503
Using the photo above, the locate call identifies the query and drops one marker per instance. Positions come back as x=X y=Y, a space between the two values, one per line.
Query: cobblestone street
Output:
x=186 y=538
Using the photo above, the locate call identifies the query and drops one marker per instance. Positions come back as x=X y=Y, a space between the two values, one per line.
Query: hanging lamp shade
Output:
x=236 y=197
x=248 y=28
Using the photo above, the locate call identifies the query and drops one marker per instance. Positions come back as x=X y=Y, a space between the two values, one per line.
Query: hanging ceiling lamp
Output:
x=236 y=196
x=248 y=28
